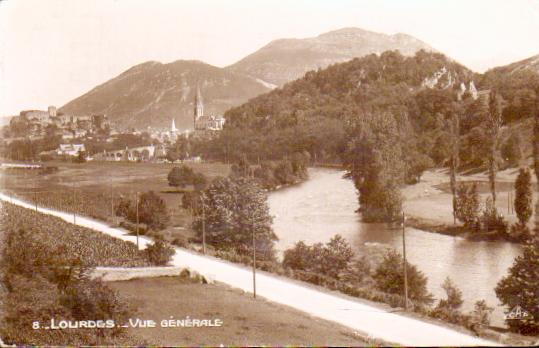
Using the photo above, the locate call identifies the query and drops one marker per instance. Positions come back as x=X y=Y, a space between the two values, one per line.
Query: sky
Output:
x=52 y=51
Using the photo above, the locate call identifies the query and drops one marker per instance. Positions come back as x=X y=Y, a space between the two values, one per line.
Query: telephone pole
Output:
x=254 y=263
x=74 y=205
x=404 y=263
x=136 y=204
x=111 y=202
x=203 y=225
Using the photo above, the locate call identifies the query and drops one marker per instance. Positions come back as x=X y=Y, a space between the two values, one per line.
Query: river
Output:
x=325 y=205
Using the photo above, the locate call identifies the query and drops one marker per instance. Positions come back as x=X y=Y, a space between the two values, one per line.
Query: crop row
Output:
x=94 y=248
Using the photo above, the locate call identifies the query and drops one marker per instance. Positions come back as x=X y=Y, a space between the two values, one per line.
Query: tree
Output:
x=511 y=150
x=298 y=257
x=454 y=296
x=336 y=256
x=521 y=288
x=536 y=146
x=160 y=252
x=235 y=209
x=81 y=157
x=389 y=278
x=494 y=122
x=331 y=259
x=454 y=164
x=181 y=176
x=523 y=196
x=374 y=159
x=467 y=204
x=152 y=210
x=242 y=168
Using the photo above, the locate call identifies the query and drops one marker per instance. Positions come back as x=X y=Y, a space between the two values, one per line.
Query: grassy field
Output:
x=246 y=321
x=91 y=188
x=94 y=248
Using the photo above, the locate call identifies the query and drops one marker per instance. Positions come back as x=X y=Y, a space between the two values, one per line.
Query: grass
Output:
x=246 y=321
x=99 y=184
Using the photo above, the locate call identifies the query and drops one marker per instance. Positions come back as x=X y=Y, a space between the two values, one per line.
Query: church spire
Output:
x=199 y=106
x=173 y=127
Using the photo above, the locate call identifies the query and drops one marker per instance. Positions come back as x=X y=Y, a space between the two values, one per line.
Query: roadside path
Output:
x=344 y=310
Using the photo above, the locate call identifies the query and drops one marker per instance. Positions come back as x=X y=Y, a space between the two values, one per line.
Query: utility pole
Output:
x=111 y=202
x=508 y=202
x=35 y=198
x=136 y=204
x=254 y=263
x=404 y=263
x=74 y=206
x=203 y=225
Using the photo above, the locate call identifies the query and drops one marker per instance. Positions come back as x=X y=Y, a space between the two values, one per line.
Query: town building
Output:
x=70 y=149
x=204 y=123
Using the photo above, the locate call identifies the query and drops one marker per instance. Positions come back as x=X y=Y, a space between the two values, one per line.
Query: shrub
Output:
x=454 y=295
x=390 y=278
x=519 y=233
x=160 y=252
x=467 y=204
x=45 y=282
x=491 y=220
x=481 y=313
x=152 y=210
x=331 y=259
x=298 y=257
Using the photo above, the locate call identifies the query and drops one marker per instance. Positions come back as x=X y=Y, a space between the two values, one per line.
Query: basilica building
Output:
x=205 y=122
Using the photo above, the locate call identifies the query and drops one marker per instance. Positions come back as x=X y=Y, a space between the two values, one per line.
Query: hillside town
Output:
x=72 y=135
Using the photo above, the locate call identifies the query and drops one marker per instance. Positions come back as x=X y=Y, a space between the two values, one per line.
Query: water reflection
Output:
x=325 y=205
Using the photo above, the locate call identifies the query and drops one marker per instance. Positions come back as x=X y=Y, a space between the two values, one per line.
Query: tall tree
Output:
x=494 y=122
x=455 y=143
x=236 y=208
x=536 y=145
x=374 y=158
x=523 y=196
x=521 y=286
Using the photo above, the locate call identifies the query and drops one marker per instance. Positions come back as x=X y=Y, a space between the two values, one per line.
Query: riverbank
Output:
x=428 y=204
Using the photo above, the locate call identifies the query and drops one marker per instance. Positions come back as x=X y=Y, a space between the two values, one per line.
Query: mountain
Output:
x=152 y=93
x=314 y=113
x=285 y=60
x=530 y=64
x=518 y=84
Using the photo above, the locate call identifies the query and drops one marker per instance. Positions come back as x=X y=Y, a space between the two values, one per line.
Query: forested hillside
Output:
x=386 y=118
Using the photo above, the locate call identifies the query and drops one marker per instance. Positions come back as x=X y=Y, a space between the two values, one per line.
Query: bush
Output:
x=481 y=313
x=331 y=259
x=519 y=233
x=390 y=278
x=43 y=283
x=152 y=210
x=448 y=309
x=160 y=252
x=454 y=295
x=491 y=220
x=467 y=205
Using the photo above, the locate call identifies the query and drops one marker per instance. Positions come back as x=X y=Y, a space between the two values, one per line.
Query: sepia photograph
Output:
x=312 y=173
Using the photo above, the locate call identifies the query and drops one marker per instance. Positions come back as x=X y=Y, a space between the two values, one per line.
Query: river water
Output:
x=325 y=205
